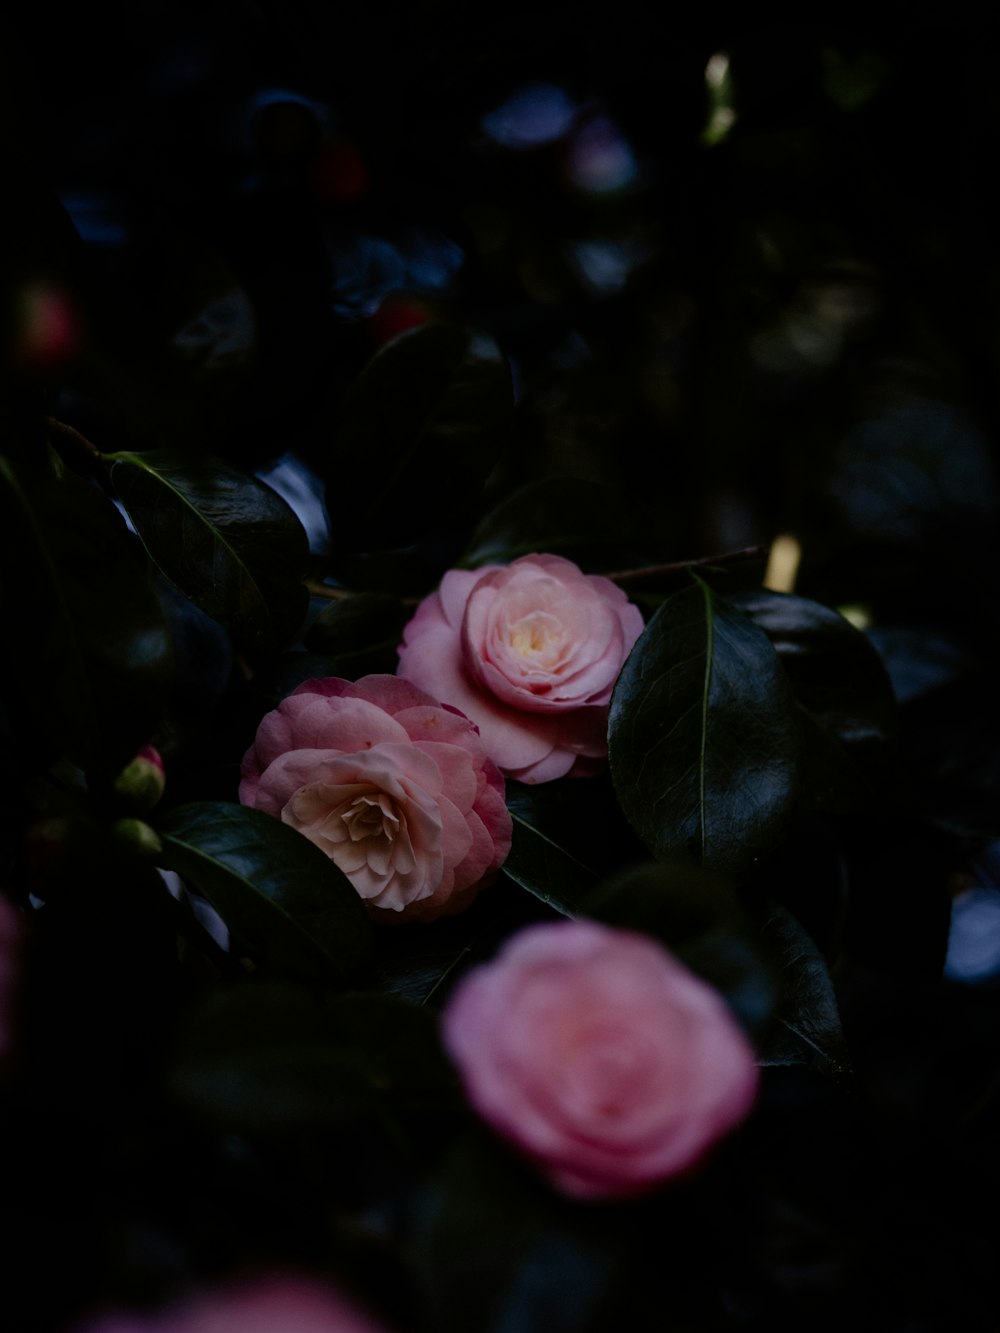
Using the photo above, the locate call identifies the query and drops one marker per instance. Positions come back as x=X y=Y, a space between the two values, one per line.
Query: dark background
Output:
x=786 y=324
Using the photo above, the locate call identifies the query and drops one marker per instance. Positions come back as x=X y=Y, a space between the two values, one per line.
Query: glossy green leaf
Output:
x=284 y=901
x=525 y=1261
x=845 y=697
x=359 y=634
x=550 y=855
x=419 y=432
x=276 y=1057
x=226 y=539
x=703 y=736
x=569 y=516
x=806 y=1027
x=86 y=654
x=697 y=916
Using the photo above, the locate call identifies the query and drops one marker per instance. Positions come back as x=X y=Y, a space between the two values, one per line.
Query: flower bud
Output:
x=140 y=784
x=137 y=836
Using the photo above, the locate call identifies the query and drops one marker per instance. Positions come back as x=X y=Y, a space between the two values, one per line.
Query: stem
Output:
x=678 y=566
x=73 y=441
x=316 y=589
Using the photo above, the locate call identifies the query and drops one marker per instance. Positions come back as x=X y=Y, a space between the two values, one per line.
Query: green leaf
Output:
x=553 y=840
x=569 y=516
x=281 y=897
x=224 y=538
x=697 y=916
x=274 y=1057
x=806 y=1026
x=847 y=709
x=86 y=655
x=500 y=1251
x=703 y=736
x=359 y=635
x=419 y=432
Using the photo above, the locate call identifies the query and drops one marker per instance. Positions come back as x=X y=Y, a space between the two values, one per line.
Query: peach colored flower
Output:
x=396 y=788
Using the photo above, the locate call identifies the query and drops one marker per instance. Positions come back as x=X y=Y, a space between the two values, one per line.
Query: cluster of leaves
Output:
x=220 y=1061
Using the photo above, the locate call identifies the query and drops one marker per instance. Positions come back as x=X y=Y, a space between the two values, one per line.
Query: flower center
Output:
x=371 y=816
x=535 y=635
x=604 y=1075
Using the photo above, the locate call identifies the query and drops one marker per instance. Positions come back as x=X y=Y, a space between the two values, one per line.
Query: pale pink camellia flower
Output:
x=531 y=652
x=278 y=1303
x=599 y=1056
x=394 y=787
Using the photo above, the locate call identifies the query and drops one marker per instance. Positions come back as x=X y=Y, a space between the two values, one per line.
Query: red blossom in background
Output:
x=10 y=944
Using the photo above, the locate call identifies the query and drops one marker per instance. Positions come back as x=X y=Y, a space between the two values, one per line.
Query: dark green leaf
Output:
x=414 y=963
x=698 y=917
x=550 y=851
x=86 y=652
x=501 y=1252
x=422 y=964
x=275 y=1057
x=848 y=711
x=806 y=1027
x=359 y=635
x=420 y=430
x=703 y=736
x=227 y=540
x=281 y=897
x=566 y=515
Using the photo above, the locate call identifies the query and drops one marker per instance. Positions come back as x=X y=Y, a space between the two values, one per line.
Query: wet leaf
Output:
x=87 y=654
x=845 y=697
x=226 y=539
x=419 y=432
x=697 y=916
x=556 y=842
x=568 y=516
x=281 y=898
x=702 y=735
x=266 y=1057
x=806 y=1026
x=359 y=635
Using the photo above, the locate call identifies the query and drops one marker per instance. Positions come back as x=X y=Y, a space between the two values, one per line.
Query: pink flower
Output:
x=530 y=651
x=396 y=788
x=10 y=950
x=274 y=1304
x=599 y=1056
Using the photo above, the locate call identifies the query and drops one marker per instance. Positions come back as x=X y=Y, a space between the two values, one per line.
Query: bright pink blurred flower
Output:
x=275 y=1304
x=530 y=651
x=10 y=948
x=599 y=1056
x=396 y=788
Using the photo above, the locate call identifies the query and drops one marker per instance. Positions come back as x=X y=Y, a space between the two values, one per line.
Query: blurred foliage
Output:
x=303 y=305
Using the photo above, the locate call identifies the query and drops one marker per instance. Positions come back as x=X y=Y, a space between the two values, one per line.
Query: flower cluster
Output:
x=597 y=1054
x=503 y=670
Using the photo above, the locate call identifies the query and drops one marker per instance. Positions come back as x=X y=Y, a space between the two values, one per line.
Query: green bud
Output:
x=140 y=784
x=137 y=836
